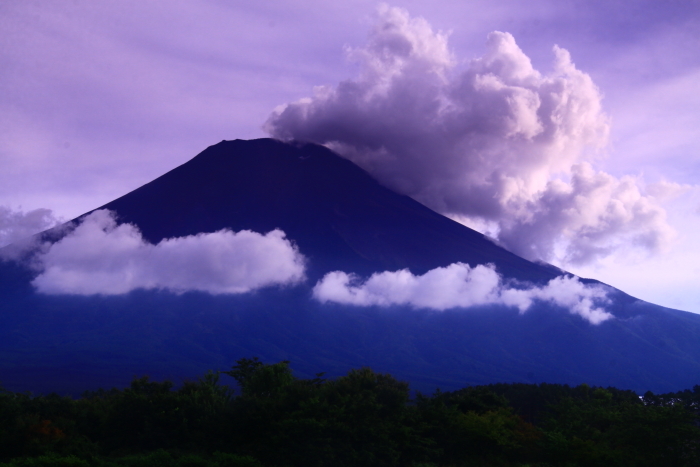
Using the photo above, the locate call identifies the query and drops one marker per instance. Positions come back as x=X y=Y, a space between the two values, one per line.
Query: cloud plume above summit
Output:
x=492 y=142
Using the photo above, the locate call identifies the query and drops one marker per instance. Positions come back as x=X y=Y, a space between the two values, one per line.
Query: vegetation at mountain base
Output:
x=364 y=418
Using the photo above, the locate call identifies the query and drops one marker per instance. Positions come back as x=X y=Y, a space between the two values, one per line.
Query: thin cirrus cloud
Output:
x=460 y=286
x=492 y=142
x=101 y=257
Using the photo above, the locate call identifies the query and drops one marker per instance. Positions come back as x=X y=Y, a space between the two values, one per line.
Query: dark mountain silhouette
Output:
x=341 y=219
x=339 y=216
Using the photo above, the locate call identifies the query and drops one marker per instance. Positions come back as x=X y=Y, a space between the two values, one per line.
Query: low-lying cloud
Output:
x=492 y=142
x=101 y=257
x=17 y=226
x=460 y=286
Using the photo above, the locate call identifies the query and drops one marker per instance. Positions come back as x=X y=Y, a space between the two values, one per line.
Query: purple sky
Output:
x=97 y=99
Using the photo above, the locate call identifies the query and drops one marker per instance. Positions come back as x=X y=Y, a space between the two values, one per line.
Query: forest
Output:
x=269 y=417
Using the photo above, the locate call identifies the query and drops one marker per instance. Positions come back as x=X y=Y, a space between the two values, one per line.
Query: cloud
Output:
x=460 y=286
x=17 y=228
x=101 y=257
x=489 y=141
x=665 y=190
x=592 y=216
x=16 y=225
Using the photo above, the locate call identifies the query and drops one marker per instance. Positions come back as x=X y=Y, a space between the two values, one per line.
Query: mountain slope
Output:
x=340 y=219
x=338 y=215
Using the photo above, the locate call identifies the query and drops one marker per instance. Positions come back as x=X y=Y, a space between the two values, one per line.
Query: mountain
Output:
x=339 y=218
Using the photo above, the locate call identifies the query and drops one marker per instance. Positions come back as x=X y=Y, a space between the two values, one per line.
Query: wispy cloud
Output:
x=494 y=141
x=17 y=228
x=461 y=286
x=101 y=257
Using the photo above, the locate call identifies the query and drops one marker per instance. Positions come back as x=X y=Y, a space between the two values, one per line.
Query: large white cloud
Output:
x=493 y=142
x=460 y=286
x=101 y=257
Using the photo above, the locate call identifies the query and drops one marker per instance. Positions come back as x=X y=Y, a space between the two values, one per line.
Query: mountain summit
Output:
x=337 y=214
x=341 y=220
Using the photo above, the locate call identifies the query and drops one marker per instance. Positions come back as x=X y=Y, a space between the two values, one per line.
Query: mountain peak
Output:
x=337 y=214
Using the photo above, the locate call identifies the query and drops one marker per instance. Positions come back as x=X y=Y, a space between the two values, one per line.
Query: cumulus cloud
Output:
x=102 y=257
x=491 y=141
x=460 y=286
x=18 y=226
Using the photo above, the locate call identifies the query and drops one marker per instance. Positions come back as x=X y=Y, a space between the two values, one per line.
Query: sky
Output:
x=97 y=99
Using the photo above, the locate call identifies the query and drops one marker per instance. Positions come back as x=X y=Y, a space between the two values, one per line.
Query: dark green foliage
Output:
x=361 y=419
x=475 y=424
x=159 y=458
x=358 y=419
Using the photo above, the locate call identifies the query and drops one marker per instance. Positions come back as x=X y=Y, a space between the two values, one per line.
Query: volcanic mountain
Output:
x=340 y=219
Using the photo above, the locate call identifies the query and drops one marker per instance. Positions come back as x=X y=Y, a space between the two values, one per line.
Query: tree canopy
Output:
x=269 y=417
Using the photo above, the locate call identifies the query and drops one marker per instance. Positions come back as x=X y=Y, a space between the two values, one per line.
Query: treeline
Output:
x=361 y=419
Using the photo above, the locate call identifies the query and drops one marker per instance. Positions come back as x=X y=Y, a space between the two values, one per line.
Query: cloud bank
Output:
x=101 y=257
x=492 y=142
x=460 y=286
